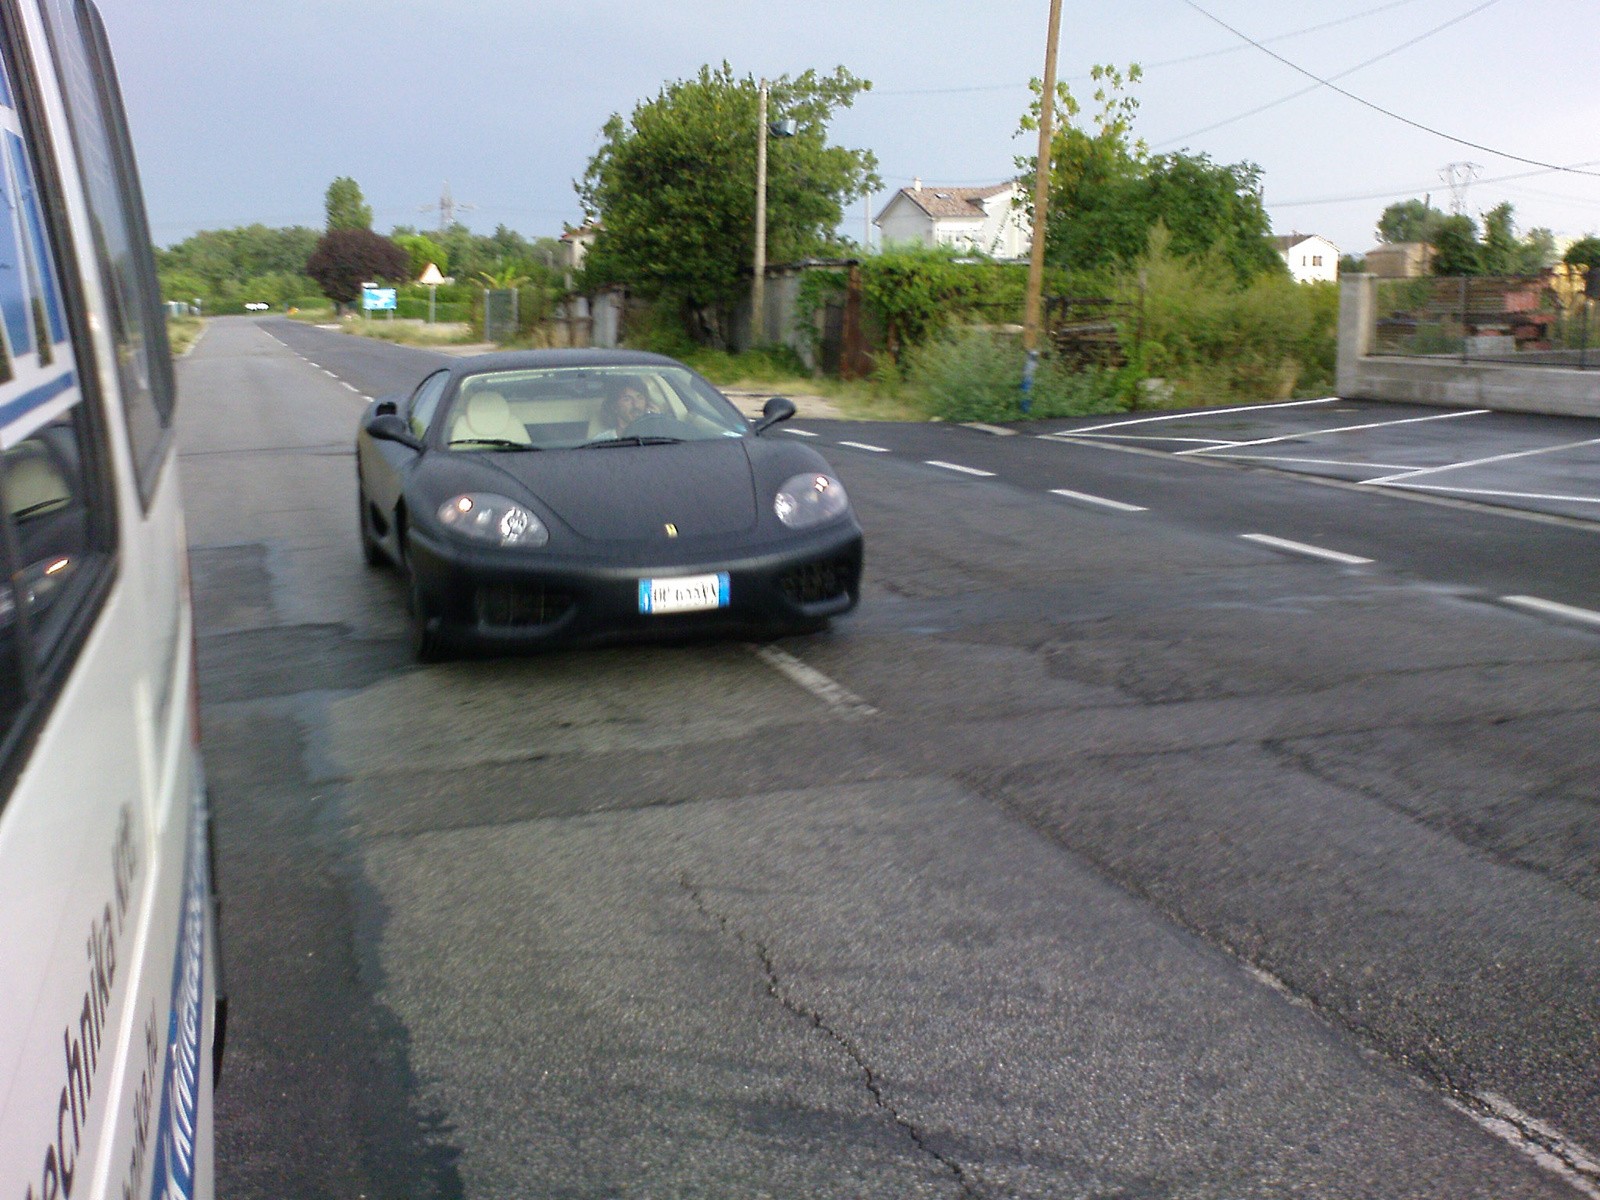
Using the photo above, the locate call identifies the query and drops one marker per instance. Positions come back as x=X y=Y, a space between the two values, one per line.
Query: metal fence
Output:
x=499 y=314
x=1528 y=320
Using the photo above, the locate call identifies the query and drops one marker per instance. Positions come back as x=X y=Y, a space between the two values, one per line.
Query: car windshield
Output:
x=567 y=408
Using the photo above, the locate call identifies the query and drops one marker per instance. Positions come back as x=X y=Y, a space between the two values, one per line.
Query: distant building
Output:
x=1400 y=260
x=983 y=220
x=1310 y=257
x=574 y=246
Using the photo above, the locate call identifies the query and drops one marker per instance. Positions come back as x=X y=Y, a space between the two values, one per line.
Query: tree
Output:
x=1455 y=240
x=1585 y=252
x=346 y=258
x=674 y=188
x=1108 y=193
x=1409 y=221
x=346 y=208
x=1498 y=254
x=422 y=250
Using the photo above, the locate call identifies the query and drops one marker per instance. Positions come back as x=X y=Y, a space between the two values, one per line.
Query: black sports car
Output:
x=578 y=496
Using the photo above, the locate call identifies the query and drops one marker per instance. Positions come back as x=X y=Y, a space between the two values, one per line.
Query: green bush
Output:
x=765 y=364
x=417 y=309
x=976 y=375
x=1216 y=341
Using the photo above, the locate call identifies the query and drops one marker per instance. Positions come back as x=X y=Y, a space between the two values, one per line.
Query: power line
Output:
x=1406 y=45
x=1412 y=191
x=1166 y=62
x=1378 y=108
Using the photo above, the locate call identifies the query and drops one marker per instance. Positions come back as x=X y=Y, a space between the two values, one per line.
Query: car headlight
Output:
x=810 y=499
x=485 y=517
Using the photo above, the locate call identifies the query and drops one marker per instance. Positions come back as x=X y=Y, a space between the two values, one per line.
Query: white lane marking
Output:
x=934 y=462
x=997 y=430
x=844 y=702
x=1205 y=412
x=1439 y=487
x=864 y=446
x=351 y=386
x=800 y=432
x=1311 y=433
x=1545 y=1146
x=328 y=373
x=1338 y=556
x=1554 y=609
x=1088 y=499
x=1476 y=462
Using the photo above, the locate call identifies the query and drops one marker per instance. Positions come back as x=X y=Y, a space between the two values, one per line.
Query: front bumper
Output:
x=529 y=598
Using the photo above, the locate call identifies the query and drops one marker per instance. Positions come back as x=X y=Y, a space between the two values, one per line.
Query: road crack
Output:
x=804 y=1012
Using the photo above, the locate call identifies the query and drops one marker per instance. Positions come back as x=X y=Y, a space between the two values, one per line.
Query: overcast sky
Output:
x=245 y=112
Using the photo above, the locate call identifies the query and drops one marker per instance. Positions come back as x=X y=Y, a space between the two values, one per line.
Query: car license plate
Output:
x=683 y=593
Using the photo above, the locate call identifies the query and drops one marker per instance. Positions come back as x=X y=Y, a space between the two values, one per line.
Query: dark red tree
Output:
x=346 y=258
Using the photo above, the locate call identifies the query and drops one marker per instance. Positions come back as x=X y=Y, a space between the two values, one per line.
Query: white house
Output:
x=1311 y=258
x=984 y=220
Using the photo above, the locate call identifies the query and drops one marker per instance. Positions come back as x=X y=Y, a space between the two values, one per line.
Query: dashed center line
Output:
x=865 y=446
x=948 y=466
x=1278 y=543
x=800 y=432
x=1554 y=609
x=1088 y=499
x=843 y=701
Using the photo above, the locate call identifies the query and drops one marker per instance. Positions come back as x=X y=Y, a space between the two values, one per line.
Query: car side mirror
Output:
x=391 y=427
x=778 y=408
x=385 y=408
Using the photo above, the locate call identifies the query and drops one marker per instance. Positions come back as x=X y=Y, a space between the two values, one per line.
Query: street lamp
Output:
x=784 y=128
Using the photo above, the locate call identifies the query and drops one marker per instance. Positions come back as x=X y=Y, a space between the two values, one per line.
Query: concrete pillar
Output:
x=1358 y=323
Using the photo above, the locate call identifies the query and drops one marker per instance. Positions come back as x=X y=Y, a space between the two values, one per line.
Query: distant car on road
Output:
x=579 y=496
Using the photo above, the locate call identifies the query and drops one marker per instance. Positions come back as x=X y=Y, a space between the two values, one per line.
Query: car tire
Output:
x=428 y=643
x=371 y=551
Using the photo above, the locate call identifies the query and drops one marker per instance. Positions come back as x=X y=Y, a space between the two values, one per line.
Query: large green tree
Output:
x=1409 y=221
x=346 y=207
x=1108 y=193
x=673 y=186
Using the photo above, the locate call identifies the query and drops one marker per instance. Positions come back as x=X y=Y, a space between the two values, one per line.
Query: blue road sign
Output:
x=377 y=299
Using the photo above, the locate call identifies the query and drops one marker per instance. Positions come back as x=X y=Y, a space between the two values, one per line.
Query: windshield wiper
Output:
x=627 y=440
x=498 y=443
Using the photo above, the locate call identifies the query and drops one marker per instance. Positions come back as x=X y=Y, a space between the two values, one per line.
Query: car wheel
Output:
x=427 y=640
x=371 y=551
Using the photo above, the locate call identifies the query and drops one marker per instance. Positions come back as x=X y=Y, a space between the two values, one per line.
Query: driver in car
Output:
x=624 y=406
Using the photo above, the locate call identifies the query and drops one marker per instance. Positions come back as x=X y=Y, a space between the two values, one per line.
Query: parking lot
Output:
x=1541 y=464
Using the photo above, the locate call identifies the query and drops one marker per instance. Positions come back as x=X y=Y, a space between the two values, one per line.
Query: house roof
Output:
x=1287 y=242
x=950 y=201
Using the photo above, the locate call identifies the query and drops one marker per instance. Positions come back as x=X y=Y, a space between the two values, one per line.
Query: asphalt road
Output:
x=1135 y=859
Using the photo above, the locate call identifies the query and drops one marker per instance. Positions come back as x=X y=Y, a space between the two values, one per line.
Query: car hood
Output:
x=628 y=493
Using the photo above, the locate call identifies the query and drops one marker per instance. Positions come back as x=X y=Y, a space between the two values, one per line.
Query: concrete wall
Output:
x=1559 y=391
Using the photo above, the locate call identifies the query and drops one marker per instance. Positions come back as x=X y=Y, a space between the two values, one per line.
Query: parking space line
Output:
x=1207 y=412
x=843 y=701
x=1088 y=499
x=1440 y=487
x=865 y=446
x=1338 y=556
x=1325 y=462
x=997 y=430
x=1152 y=437
x=1478 y=462
x=934 y=462
x=1311 y=433
x=1554 y=609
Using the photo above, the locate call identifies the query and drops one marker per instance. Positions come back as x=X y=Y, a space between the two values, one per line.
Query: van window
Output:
x=57 y=515
x=121 y=233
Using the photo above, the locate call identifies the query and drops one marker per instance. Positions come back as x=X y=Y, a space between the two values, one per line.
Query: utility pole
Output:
x=758 y=285
x=1041 y=205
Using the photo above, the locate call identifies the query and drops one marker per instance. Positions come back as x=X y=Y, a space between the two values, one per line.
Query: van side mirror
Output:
x=778 y=408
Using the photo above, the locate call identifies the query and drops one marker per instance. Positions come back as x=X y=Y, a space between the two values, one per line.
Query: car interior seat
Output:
x=488 y=415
